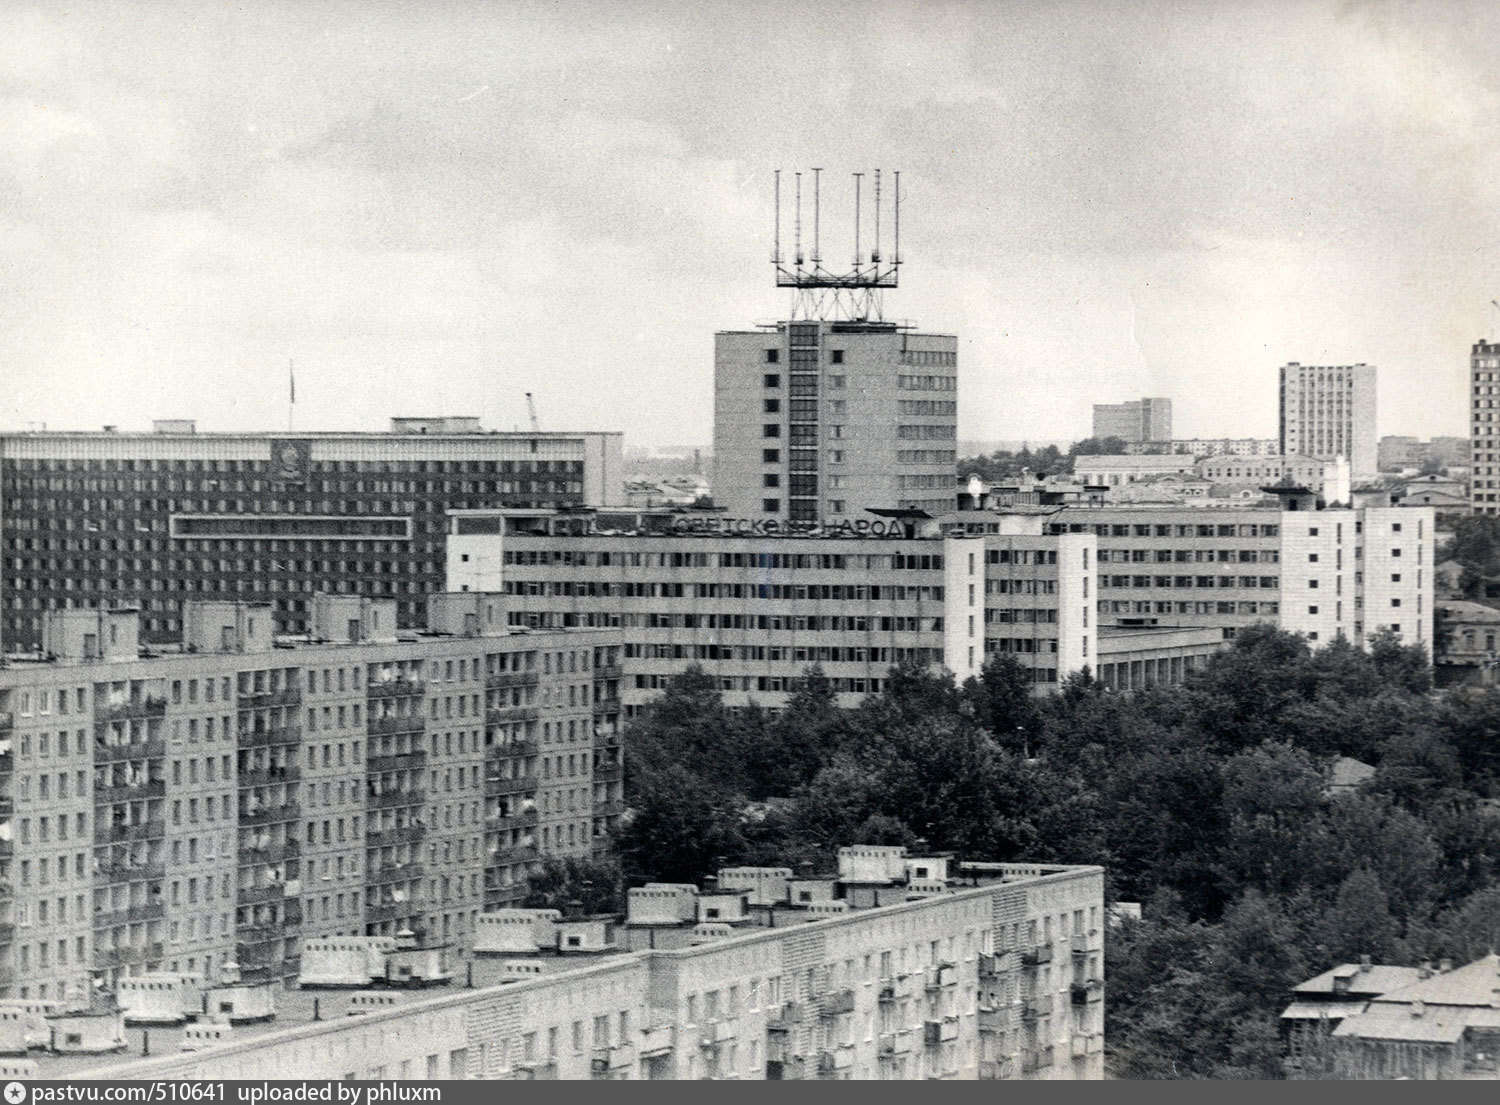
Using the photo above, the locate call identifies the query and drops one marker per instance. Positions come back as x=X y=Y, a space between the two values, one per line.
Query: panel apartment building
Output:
x=994 y=972
x=177 y=810
x=1484 y=449
x=90 y=519
x=756 y=611
x=1135 y=421
x=1328 y=411
x=823 y=420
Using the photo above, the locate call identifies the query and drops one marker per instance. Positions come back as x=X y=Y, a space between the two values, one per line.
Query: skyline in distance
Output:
x=436 y=211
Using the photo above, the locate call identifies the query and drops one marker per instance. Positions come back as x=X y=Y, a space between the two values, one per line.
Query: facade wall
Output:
x=157 y=519
x=1328 y=411
x=1003 y=981
x=822 y=420
x=178 y=811
x=1484 y=447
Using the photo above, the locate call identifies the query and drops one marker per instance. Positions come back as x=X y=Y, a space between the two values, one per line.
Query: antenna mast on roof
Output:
x=818 y=293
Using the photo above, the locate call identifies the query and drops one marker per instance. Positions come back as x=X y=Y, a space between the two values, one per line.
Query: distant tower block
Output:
x=821 y=294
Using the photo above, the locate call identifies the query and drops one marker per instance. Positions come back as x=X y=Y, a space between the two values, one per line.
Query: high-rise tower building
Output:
x=835 y=411
x=1328 y=411
x=1484 y=374
x=1135 y=421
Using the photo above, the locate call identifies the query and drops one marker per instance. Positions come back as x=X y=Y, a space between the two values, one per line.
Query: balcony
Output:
x=151 y=749
x=610 y=807
x=991 y=966
x=1032 y=1061
x=504 y=715
x=606 y=739
x=609 y=772
x=1083 y=993
x=609 y=705
x=397 y=723
x=376 y=912
x=117 y=873
x=149 y=706
x=7 y=722
x=261 y=895
x=272 y=932
x=992 y=1020
x=1037 y=1007
x=1081 y=943
x=392 y=799
x=887 y=991
x=265 y=699
x=1036 y=955
x=106 y=833
x=938 y=978
x=507 y=856
x=415 y=760
x=7 y=933
x=145 y=911
x=269 y=776
x=605 y=672
x=127 y=954
x=939 y=1032
x=536 y=1070
x=277 y=852
x=396 y=688
x=271 y=815
x=494 y=785
x=393 y=874
x=512 y=749
x=836 y=1003
x=657 y=1041
x=396 y=834
x=782 y=1020
x=523 y=820
x=503 y=679
x=261 y=738
x=129 y=792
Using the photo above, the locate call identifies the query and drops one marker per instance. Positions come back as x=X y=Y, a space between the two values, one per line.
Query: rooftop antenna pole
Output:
x=1492 y=319
x=797 y=256
x=817 y=193
x=856 y=219
x=291 y=382
x=776 y=248
x=896 y=258
x=875 y=257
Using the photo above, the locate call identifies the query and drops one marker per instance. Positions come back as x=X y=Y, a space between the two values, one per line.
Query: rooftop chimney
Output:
x=1364 y=964
x=1445 y=965
x=804 y=870
x=710 y=884
x=1425 y=970
x=1418 y=1009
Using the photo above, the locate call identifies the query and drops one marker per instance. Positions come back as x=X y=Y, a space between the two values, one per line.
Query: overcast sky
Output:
x=437 y=207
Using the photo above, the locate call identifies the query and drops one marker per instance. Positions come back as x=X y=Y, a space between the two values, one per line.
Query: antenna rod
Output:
x=776 y=249
x=798 y=254
x=856 y=218
x=897 y=258
x=875 y=257
x=816 y=256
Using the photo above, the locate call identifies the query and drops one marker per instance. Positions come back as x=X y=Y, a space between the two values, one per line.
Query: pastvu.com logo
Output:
x=15 y=1093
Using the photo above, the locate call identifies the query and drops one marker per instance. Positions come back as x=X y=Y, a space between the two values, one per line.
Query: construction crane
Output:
x=536 y=427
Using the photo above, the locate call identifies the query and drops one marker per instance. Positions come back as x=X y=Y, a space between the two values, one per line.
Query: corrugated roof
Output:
x=1478 y=983
x=1395 y=1022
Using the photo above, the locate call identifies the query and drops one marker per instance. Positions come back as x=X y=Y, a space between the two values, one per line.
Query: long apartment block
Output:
x=970 y=971
x=177 y=515
x=220 y=801
x=755 y=610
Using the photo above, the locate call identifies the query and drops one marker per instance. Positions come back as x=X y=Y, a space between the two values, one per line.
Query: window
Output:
x=773 y=406
x=1312 y=609
x=771 y=506
x=773 y=356
x=773 y=379
x=770 y=456
x=836 y=356
x=1395 y=602
x=771 y=429
x=771 y=479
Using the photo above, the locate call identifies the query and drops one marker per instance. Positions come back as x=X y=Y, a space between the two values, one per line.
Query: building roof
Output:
x=1464 y=611
x=1322 y=1010
x=1349 y=772
x=1477 y=984
x=1375 y=979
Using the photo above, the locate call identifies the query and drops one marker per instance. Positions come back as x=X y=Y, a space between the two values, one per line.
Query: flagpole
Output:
x=291 y=379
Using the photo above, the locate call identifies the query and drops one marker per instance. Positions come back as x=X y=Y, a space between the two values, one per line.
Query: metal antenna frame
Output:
x=854 y=295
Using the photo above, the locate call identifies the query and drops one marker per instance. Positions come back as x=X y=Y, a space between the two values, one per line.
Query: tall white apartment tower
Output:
x=1328 y=411
x=1484 y=377
x=835 y=411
